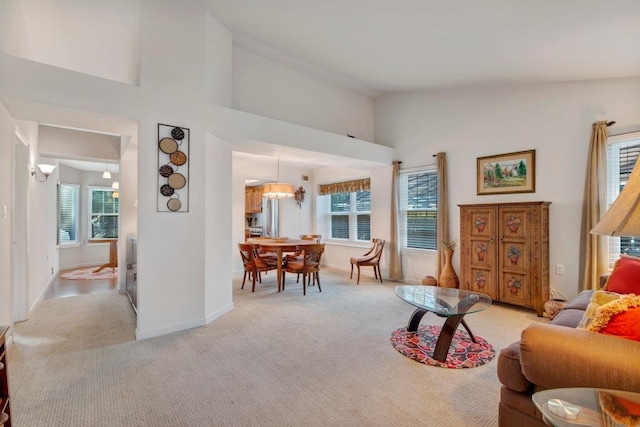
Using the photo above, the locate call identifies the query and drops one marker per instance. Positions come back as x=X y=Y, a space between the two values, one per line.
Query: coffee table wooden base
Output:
x=446 y=333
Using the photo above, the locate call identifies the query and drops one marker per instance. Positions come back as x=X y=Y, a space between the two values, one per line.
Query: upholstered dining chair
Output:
x=369 y=259
x=308 y=266
x=254 y=264
x=297 y=256
x=268 y=256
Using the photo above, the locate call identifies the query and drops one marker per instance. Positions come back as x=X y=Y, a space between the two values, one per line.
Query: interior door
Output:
x=19 y=215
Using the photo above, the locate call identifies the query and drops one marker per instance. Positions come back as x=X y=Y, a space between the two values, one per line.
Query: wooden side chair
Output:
x=369 y=259
x=297 y=256
x=254 y=264
x=308 y=266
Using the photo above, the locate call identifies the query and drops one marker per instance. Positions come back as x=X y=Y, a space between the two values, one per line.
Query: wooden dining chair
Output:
x=297 y=256
x=308 y=266
x=369 y=259
x=254 y=264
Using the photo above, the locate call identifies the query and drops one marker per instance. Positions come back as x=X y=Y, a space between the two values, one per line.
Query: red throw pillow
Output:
x=620 y=318
x=624 y=325
x=625 y=277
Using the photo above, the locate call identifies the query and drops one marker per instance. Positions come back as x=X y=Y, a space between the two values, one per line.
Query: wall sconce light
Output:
x=45 y=170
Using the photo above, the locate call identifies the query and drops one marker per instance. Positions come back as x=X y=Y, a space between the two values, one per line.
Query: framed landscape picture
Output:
x=507 y=173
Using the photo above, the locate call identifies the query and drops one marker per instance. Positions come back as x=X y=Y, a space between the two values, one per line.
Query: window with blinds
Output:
x=68 y=208
x=622 y=153
x=103 y=213
x=418 y=209
x=350 y=215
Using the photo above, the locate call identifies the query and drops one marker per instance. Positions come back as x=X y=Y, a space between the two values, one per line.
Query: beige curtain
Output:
x=593 y=248
x=346 y=186
x=395 y=260
x=442 y=225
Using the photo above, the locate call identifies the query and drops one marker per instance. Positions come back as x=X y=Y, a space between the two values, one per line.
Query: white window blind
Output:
x=622 y=153
x=350 y=215
x=68 y=208
x=418 y=209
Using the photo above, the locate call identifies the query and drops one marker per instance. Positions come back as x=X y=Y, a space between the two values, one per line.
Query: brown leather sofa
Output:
x=557 y=355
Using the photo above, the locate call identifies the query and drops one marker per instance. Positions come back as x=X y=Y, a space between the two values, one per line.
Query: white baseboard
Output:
x=43 y=292
x=213 y=316
x=141 y=335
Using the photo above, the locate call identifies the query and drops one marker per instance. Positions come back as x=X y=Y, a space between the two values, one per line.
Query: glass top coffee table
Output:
x=444 y=302
x=582 y=406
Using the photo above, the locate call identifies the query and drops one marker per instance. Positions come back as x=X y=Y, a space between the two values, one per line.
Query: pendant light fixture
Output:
x=277 y=190
x=116 y=184
x=106 y=174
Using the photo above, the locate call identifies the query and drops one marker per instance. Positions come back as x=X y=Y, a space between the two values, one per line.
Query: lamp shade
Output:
x=46 y=169
x=623 y=217
x=277 y=190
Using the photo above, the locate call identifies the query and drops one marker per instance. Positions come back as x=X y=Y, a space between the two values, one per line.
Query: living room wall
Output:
x=554 y=119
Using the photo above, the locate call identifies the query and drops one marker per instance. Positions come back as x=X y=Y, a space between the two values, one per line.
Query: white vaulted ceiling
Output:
x=381 y=46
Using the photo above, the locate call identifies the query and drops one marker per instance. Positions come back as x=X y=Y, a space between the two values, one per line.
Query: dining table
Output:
x=279 y=246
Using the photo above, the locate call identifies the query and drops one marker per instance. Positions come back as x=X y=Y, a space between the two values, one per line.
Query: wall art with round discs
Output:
x=173 y=168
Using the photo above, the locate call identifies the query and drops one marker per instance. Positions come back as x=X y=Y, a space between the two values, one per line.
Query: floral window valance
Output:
x=346 y=186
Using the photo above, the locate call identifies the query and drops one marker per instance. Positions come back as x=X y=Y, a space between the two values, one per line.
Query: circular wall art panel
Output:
x=178 y=158
x=167 y=190
x=177 y=181
x=168 y=145
x=177 y=133
x=174 y=204
x=165 y=170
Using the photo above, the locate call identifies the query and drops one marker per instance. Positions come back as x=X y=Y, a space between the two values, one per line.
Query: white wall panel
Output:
x=263 y=87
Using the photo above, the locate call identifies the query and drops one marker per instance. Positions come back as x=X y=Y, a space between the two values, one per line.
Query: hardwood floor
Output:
x=61 y=288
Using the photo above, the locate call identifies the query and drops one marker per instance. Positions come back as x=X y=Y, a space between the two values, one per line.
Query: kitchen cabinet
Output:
x=504 y=252
x=253 y=199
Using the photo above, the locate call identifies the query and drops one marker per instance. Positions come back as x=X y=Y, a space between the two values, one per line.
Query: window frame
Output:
x=90 y=213
x=403 y=208
x=76 y=214
x=614 y=143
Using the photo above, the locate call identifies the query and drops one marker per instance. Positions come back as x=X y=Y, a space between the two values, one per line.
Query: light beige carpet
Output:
x=277 y=359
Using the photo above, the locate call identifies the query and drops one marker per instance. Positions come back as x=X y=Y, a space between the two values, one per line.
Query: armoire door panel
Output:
x=514 y=289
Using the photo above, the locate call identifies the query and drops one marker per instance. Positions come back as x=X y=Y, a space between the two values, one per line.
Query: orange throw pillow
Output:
x=620 y=318
x=625 y=277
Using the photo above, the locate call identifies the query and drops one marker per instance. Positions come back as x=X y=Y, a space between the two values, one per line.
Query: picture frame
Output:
x=507 y=173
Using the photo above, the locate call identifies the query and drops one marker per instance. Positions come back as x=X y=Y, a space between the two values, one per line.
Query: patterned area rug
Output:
x=463 y=352
x=88 y=274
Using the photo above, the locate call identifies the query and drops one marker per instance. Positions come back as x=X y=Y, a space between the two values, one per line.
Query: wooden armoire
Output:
x=504 y=252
